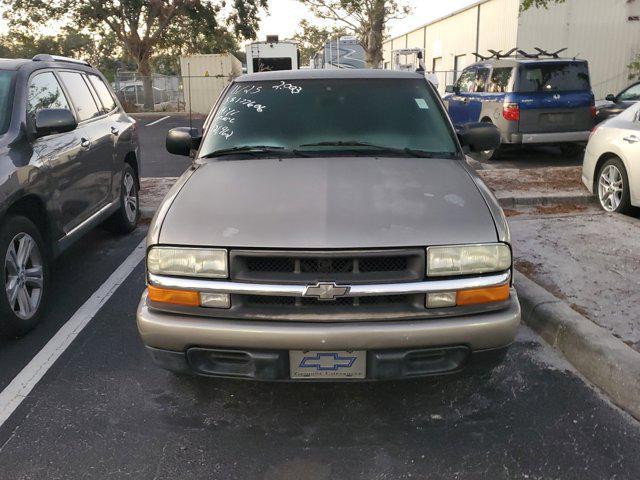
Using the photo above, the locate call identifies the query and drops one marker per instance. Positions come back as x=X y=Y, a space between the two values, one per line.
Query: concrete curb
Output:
x=543 y=200
x=607 y=362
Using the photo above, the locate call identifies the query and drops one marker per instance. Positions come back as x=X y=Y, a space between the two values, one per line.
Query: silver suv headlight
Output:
x=468 y=259
x=188 y=262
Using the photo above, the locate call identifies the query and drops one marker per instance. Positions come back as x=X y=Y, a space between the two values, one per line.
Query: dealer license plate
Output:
x=327 y=364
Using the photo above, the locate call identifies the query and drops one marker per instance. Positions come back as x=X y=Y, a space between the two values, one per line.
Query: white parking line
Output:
x=13 y=395
x=157 y=121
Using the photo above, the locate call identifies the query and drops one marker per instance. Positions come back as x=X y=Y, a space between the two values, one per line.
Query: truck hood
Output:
x=326 y=203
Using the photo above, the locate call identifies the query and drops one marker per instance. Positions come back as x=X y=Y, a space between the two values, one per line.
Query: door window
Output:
x=44 y=92
x=6 y=98
x=80 y=95
x=631 y=94
x=482 y=80
x=103 y=93
x=501 y=80
x=467 y=81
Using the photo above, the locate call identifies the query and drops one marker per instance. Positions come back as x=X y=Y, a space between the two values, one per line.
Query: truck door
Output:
x=477 y=96
x=459 y=101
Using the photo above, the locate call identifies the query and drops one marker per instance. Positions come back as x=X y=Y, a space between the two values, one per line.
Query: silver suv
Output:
x=68 y=162
x=329 y=228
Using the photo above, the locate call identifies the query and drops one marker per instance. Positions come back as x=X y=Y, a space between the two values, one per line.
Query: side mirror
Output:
x=54 y=120
x=610 y=98
x=452 y=89
x=479 y=137
x=181 y=140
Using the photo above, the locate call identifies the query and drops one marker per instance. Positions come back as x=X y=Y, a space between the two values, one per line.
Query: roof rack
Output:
x=496 y=54
x=45 y=57
x=542 y=53
x=510 y=54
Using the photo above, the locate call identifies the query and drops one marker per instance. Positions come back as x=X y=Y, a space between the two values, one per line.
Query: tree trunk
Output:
x=144 y=69
x=375 y=35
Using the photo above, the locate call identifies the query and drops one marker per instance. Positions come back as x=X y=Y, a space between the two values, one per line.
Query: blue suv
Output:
x=531 y=100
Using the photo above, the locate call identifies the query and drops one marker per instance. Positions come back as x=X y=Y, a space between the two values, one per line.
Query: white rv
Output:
x=272 y=55
x=344 y=52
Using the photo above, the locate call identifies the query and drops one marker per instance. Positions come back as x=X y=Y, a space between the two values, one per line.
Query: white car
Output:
x=611 y=169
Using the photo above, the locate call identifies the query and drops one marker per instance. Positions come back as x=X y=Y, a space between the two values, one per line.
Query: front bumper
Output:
x=176 y=334
x=545 y=138
x=273 y=365
x=588 y=169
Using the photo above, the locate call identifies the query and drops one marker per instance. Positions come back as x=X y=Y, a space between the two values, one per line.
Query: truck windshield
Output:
x=6 y=99
x=554 y=77
x=348 y=115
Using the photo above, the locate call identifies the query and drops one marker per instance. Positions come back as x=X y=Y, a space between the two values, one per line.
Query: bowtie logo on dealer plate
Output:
x=326 y=291
x=327 y=361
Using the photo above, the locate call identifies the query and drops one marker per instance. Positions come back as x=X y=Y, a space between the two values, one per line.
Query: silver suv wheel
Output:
x=24 y=276
x=130 y=197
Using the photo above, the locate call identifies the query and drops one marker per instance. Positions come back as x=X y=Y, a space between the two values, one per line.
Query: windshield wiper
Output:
x=406 y=151
x=255 y=150
x=246 y=149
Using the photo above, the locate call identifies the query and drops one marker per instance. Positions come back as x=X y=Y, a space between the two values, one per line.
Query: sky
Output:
x=285 y=15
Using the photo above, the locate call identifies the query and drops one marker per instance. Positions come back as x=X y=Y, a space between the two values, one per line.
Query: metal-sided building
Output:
x=604 y=32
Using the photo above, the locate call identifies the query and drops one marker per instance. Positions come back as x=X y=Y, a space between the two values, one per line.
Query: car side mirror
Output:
x=610 y=98
x=479 y=137
x=452 y=89
x=54 y=120
x=182 y=140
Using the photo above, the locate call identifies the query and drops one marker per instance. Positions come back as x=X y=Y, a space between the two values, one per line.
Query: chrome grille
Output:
x=348 y=267
x=298 y=302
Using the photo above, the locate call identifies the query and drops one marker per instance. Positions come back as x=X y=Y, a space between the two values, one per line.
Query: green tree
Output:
x=191 y=37
x=69 y=42
x=634 y=68
x=527 y=4
x=139 y=26
x=312 y=39
x=366 y=19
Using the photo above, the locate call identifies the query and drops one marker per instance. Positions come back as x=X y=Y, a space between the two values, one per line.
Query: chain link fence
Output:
x=167 y=92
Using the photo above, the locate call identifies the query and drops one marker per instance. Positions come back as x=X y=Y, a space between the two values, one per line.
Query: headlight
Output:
x=188 y=262
x=468 y=259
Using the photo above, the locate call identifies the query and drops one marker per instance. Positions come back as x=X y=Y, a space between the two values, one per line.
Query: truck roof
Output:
x=313 y=74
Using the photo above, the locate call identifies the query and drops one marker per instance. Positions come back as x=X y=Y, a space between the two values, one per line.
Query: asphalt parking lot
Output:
x=156 y=162
x=532 y=157
x=103 y=410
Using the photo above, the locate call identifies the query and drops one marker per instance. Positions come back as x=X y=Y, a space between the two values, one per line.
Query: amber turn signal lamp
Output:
x=483 y=295
x=174 y=297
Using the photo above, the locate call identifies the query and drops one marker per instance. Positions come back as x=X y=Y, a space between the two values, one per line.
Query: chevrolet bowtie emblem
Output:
x=326 y=291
